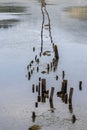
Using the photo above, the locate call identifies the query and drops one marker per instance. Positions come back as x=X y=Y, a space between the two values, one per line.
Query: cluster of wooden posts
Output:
x=41 y=88
x=42 y=94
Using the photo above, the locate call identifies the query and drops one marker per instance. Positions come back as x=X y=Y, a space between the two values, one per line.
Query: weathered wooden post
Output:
x=51 y=106
x=40 y=54
x=43 y=86
x=73 y=118
x=51 y=65
x=33 y=116
x=33 y=88
x=56 y=77
x=70 y=108
x=36 y=88
x=80 y=85
x=29 y=75
x=43 y=89
x=56 y=52
x=66 y=98
x=33 y=49
x=51 y=93
x=70 y=95
x=39 y=78
x=37 y=68
x=31 y=71
x=39 y=89
x=48 y=67
x=36 y=104
x=38 y=98
x=63 y=74
x=64 y=86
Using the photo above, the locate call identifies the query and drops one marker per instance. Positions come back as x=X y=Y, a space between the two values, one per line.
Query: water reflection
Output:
x=8 y=23
x=8 y=13
x=11 y=9
x=41 y=86
x=78 y=12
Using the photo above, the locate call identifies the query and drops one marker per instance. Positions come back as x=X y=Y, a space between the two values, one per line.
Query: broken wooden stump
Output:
x=36 y=104
x=70 y=95
x=64 y=86
x=39 y=89
x=33 y=49
x=63 y=74
x=51 y=94
x=56 y=52
x=29 y=75
x=70 y=108
x=51 y=106
x=43 y=86
x=37 y=68
x=48 y=67
x=33 y=116
x=36 y=88
x=66 y=98
x=56 y=77
x=39 y=78
x=33 y=88
x=80 y=85
x=38 y=98
x=73 y=118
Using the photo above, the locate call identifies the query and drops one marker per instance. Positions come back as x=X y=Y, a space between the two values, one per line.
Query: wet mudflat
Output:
x=20 y=47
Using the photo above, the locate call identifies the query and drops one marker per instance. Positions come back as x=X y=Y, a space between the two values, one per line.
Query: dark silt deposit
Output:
x=43 y=65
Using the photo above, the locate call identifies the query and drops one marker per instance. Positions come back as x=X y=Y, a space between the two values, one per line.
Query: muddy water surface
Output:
x=20 y=31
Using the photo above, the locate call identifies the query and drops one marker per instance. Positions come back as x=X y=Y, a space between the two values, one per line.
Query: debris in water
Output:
x=34 y=127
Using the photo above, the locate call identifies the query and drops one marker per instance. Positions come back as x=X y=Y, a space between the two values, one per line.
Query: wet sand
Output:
x=17 y=102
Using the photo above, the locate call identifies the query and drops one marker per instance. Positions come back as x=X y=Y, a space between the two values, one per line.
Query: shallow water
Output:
x=16 y=51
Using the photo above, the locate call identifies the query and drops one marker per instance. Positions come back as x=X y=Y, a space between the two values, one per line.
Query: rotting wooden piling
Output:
x=33 y=116
x=39 y=78
x=36 y=104
x=51 y=106
x=66 y=98
x=39 y=88
x=56 y=77
x=71 y=108
x=51 y=94
x=29 y=75
x=37 y=68
x=70 y=95
x=63 y=74
x=73 y=118
x=56 y=52
x=48 y=67
x=38 y=98
x=33 y=49
x=36 y=88
x=80 y=85
x=64 y=86
x=33 y=88
x=43 y=86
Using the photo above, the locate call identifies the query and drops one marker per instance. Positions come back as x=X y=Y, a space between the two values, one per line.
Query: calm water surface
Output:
x=20 y=31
